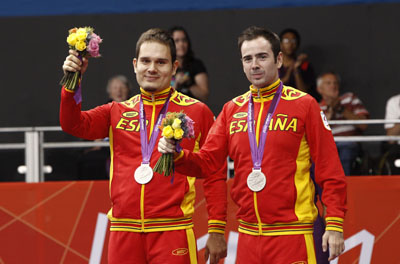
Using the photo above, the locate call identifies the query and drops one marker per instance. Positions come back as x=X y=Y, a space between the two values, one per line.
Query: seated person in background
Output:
x=119 y=88
x=94 y=163
x=191 y=77
x=393 y=112
x=296 y=70
x=341 y=107
x=389 y=162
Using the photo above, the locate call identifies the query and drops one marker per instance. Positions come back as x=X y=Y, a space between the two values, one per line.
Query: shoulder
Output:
x=197 y=61
x=197 y=66
x=184 y=100
x=131 y=102
x=239 y=100
x=191 y=105
x=292 y=94
x=395 y=100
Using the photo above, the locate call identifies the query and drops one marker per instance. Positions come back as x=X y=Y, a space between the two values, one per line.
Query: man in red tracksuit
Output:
x=151 y=220
x=272 y=184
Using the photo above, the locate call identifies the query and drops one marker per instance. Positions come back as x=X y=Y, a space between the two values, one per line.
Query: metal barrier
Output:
x=34 y=144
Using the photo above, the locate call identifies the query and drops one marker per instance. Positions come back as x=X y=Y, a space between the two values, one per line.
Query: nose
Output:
x=254 y=64
x=152 y=67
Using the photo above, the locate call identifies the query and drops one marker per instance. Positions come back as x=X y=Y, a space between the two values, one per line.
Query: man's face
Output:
x=181 y=43
x=154 y=68
x=328 y=87
x=289 y=44
x=259 y=63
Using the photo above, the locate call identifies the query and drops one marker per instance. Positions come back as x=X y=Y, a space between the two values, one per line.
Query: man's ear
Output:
x=175 y=66
x=134 y=62
x=279 y=59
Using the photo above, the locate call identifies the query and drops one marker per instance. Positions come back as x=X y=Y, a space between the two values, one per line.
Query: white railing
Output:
x=34 y=144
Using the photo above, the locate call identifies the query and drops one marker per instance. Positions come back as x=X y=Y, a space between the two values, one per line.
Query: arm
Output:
x=356 y=111
x=91 y=124
x=211 y=157
x=285 y=79
x=215 y=191
x=393 y=131
x=200 y=88
x=300 y=81
x=215 y=188
x=349 y=115
x=330 y=176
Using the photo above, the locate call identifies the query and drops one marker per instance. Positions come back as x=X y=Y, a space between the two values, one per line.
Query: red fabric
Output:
x=271 y=249
x=276 y=202
x=144 y=248
x=161 y=198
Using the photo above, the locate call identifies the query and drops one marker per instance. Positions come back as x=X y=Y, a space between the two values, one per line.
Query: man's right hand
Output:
x=73 y=64
x=166 y=145
x=215 y=248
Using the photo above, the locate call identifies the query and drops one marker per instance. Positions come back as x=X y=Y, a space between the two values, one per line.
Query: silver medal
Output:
x=143 y=174
x=256 y=180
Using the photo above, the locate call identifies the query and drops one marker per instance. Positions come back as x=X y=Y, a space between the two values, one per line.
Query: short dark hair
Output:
x=157 y=35
x=294 y=32
x=254 y=32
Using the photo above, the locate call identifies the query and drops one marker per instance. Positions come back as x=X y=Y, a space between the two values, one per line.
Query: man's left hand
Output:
x=215 y=248
x=336 y=243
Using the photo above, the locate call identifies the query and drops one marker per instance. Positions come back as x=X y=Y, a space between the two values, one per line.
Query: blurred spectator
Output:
x=94 y=163
x=342 y=107
x=119 y=88
x=393 y=112
x=296 y=70
x=389 y=163
x=191 y=77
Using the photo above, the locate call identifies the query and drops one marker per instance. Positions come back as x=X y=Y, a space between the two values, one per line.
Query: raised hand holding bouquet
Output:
x=86 y=42
x=174 y=126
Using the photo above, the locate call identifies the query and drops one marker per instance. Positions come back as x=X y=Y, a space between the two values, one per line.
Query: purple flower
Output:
x=190 y=126
x=93 y=47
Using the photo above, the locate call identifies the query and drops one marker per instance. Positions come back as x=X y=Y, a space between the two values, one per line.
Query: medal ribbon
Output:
x=148 y=146
x=258 y=152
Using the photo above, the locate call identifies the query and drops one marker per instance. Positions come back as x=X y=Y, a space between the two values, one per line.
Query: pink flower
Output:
x=93 y=47
x=190 y=126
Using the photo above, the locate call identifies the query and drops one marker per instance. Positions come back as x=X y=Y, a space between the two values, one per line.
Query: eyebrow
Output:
x=150 y=58
x=256 y=55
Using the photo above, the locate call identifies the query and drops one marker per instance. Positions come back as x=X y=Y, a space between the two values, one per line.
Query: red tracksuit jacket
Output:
x=298 y=135
x=157 y=205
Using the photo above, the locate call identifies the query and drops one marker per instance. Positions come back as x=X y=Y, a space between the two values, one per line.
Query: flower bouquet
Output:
x=176 y=126
x=86 y=42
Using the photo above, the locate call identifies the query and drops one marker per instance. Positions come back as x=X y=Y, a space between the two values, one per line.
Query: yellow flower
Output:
x=72 y=30
x=81 y=34
x=168 y=132
x=177 y=123
x=178 y=133
x=72 y=39
x=80 y=45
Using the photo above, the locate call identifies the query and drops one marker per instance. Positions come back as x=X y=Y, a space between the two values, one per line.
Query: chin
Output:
x=150 y=89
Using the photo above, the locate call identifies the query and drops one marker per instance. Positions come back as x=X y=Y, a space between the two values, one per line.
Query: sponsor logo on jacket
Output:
x=180 y=251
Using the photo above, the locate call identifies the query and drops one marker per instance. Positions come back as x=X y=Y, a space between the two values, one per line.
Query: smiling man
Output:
x=272 y=184
x=151 y=215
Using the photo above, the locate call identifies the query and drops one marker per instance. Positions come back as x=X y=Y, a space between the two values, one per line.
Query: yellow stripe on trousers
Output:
x=310 y=249
x=192 y=246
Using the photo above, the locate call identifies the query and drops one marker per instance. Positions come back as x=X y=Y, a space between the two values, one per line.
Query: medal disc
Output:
x=256 y=180
x=143 y=174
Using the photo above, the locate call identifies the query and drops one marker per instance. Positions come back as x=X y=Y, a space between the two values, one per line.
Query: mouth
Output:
x=151 y=78
x=257 y=75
